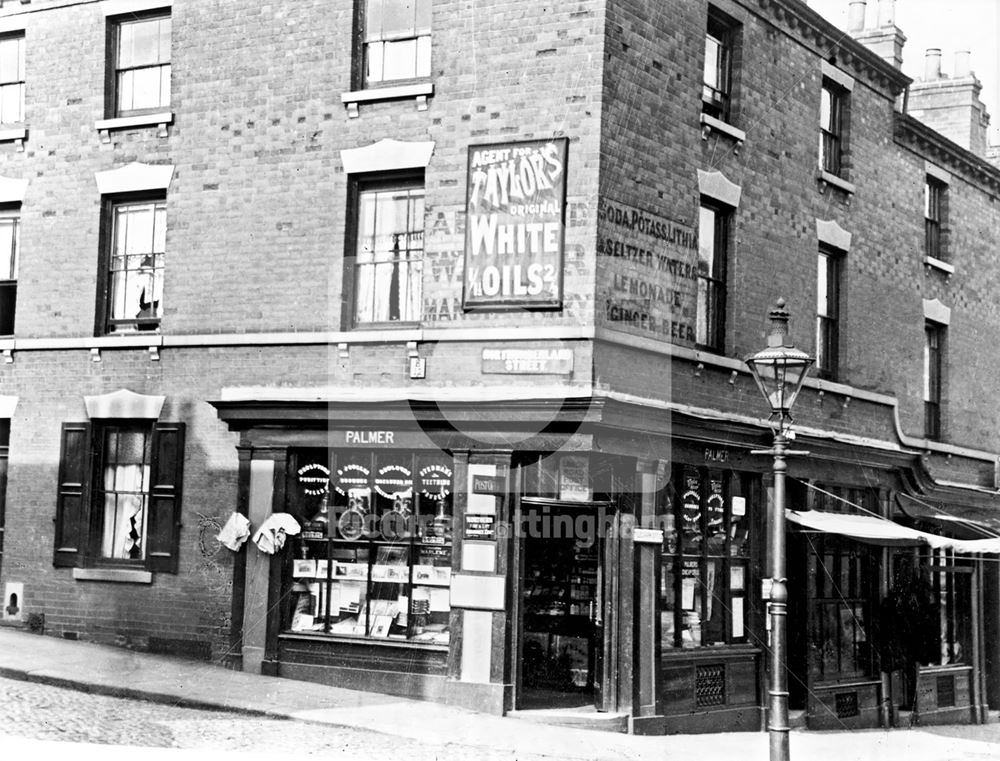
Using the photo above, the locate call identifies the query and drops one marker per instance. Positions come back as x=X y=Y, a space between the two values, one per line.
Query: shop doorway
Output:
x=563 y=605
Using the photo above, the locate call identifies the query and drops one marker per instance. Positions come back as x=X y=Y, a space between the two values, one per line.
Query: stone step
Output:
x=582 y=717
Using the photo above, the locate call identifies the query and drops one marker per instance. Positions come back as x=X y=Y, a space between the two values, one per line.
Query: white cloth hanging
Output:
x=270 y=537
x=235 y=532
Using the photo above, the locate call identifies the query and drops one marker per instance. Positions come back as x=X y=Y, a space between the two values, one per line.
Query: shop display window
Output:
x=374 y=557
x=706 y=551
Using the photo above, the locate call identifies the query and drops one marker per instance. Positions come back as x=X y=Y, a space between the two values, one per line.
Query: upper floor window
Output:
x=12 y=79
x=828 y=286
x=9 y=243
x=389 y=252
x=119 y=494
x=396 y=40
x=133 y=264
x=141 y=64
x=934 y=217
x=713 y=237
x=934 y=335
x=720 y=44
x=832 y=128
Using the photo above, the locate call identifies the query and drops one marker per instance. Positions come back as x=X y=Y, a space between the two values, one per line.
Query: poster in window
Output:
x=515 y=225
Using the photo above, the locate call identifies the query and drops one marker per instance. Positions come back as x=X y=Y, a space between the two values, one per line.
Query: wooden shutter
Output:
x=164 y=523
x=73 y=501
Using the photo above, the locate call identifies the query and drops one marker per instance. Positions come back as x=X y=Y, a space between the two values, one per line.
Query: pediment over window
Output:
x=134 y=178
x=831 y=234
x=387 y=155
x=937 y=312
x=717 y=186
x=124 y=404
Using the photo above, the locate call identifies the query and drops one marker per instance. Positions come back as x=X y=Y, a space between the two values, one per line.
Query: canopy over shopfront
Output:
x=875 y=530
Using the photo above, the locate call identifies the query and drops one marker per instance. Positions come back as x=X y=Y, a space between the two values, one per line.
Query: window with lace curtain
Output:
x=119 y=494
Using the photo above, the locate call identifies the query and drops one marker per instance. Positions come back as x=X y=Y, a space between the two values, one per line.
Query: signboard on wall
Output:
x=515 y=225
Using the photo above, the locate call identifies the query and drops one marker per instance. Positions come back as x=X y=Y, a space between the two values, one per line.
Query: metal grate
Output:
x=847 y=705
x=710 y=686
x=946 y=691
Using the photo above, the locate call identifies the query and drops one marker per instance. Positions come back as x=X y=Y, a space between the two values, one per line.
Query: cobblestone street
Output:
x=42 y=712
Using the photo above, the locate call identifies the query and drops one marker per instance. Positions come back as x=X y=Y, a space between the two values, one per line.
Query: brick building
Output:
x=465 y=290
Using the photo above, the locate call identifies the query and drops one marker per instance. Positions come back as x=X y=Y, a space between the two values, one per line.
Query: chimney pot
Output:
x=856 y=16
x=932 y=64
x=886 y=13
x=963 y=63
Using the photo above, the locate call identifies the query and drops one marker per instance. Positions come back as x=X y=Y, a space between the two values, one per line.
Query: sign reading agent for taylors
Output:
x=515 y=225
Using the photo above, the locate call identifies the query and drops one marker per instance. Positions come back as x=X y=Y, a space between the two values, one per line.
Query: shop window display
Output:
x=703 y=582
x=374 y=557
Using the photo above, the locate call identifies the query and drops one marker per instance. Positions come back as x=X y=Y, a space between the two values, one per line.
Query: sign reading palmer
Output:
x=515 y=224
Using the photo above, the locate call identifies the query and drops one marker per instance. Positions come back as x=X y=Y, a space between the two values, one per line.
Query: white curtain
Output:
x=124 y=511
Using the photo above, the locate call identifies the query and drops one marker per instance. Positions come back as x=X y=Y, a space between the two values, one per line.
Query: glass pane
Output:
x=711 y=73
x=146 y=88
x=715 y=512
x=703 y=334
x=10 y=103
x=706 y=241
x=10 y=60
x=145 y=39
x=691 y=603
x=8 y=249
x=125 y=97
x=691 y=538
x=126 y=35
x=373 y=20
x=826 y=110
x=373 y=62
x=423 y=57
x=398 y=19
x=668 y=603
x=822 y=285
x=165 y=85
x=400 y=59
x=715 y=611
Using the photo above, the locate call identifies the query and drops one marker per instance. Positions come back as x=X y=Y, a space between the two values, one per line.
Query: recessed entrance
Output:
x=562 y=605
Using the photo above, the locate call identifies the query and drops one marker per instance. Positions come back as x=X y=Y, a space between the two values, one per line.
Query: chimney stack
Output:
x=951 y=105
x=886 y=40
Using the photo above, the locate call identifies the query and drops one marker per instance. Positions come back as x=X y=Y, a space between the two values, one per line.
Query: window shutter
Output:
x=166 y=472
x=72 y=503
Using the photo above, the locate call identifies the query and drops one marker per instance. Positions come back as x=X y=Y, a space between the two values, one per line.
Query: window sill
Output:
x=159 y=120
x=710 y=124
x=116 y=575
x=931 y=261
x=419 y=92
x=16 y=135
x=360 y=640
x=825 y=178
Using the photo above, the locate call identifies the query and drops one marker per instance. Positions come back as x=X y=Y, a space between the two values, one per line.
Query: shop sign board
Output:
x=527 y=361
x=481 y=528
x=515 y=225
x=493 y=485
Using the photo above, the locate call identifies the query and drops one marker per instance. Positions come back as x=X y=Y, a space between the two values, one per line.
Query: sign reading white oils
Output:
x=515 y=224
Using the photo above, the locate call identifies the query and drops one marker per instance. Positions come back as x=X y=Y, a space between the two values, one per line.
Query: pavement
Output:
x=106 y=670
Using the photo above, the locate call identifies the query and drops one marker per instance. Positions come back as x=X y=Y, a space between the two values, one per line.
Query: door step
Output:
x=582 y=717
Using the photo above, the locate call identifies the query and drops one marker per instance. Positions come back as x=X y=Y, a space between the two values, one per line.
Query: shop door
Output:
x=563 y=618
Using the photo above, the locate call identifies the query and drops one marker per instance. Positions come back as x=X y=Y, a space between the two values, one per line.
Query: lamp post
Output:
x=779 y=370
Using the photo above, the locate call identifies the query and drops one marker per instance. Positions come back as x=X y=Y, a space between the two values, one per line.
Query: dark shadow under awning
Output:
x=956 y=521
x=874 y=530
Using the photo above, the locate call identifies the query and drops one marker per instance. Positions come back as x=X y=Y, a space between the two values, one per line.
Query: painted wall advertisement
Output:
x=648 y=272
x=515 y=224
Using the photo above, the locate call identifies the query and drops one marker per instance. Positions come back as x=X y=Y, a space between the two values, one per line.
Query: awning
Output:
x=868 y=528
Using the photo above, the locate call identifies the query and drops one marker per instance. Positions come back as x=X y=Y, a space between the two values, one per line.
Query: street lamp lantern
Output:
x=780 y=369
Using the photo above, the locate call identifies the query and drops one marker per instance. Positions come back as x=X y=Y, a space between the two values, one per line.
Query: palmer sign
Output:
x=515 y=224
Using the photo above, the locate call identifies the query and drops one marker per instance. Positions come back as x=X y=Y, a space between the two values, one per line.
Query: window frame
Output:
x=113 y=88
x=80 y=513
x=364 y=39
x=721 y=36
x=383 y=182
x=828 y=320
x=935 y=216
x=935 y=336
x=833 y=128
x=716 y=281
x=20 y=80
x=8 y=285
x=107 y=324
